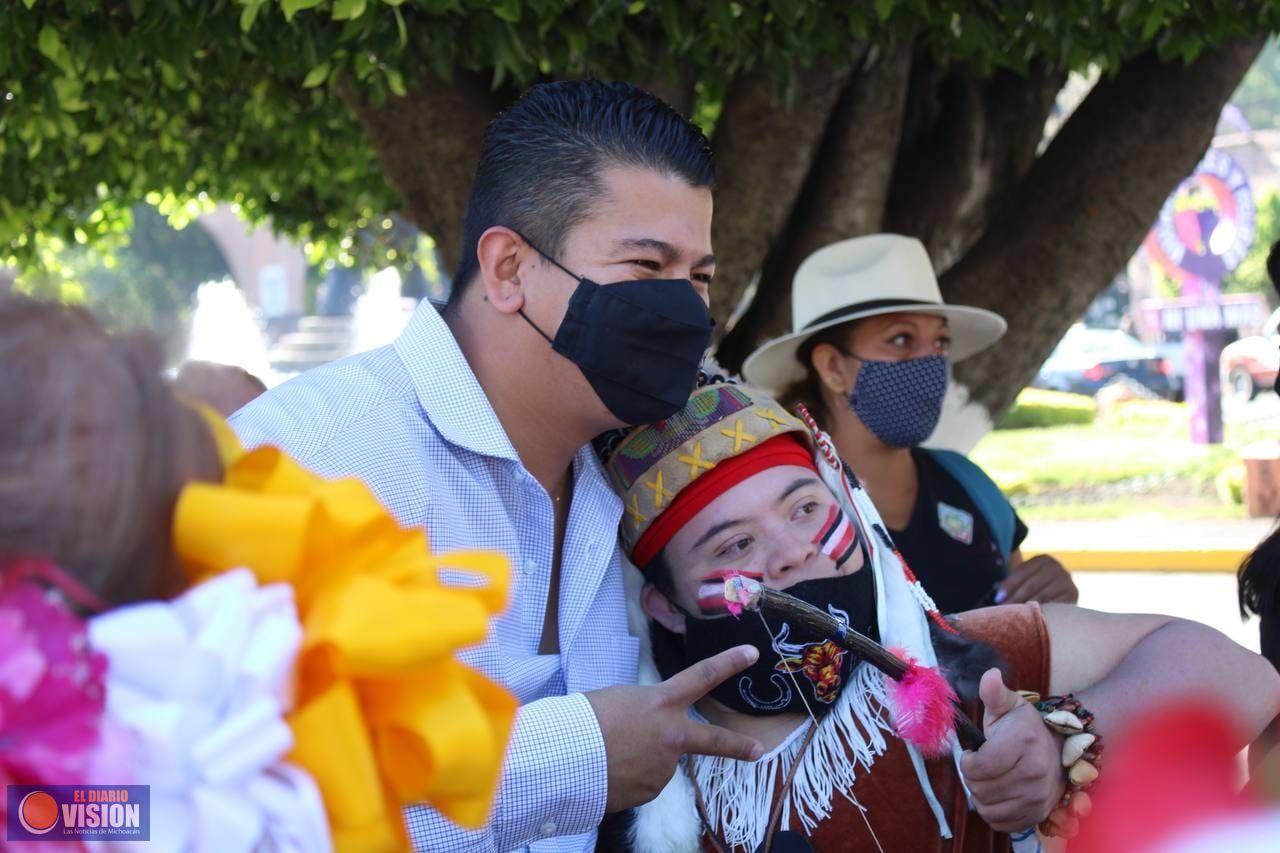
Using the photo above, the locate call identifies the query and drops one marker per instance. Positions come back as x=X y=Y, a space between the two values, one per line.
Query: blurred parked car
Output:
x=1251 y=363
x=1087 y=359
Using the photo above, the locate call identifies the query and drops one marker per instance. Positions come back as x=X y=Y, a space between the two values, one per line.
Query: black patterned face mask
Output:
x=797 y=670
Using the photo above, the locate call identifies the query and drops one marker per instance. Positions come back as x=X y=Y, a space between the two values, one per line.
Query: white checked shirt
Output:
x=412 y=422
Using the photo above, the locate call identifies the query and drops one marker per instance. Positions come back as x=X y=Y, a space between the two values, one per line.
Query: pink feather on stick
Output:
x=922 y=705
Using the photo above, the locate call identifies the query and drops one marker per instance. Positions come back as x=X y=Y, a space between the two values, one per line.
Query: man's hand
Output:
x=1016 y=777
x=1041 y=579
x=647 y=729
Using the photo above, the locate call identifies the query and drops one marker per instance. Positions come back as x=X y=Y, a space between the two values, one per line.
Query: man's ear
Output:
x=660 y=609
x=499 y=253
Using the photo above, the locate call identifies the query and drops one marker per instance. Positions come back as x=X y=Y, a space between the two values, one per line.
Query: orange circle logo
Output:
x=38 y=812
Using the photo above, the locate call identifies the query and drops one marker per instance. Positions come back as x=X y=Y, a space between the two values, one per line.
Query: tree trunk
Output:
x=427 y=144
x=1085 y=207
x=843 y=196
x=763 y=152
x=970 y=143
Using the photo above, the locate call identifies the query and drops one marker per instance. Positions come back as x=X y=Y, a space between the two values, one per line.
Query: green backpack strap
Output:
x=985 y=494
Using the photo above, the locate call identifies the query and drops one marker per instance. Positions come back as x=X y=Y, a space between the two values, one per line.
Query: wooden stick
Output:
x=788 y=608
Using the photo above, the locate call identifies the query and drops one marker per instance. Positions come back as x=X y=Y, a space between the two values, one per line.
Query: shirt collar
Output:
x=447 y=388
x=591 y=483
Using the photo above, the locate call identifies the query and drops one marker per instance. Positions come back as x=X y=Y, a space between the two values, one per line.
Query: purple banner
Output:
x=1205 y=230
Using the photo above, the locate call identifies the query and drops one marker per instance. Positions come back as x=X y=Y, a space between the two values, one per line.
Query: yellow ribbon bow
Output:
x=383 y=713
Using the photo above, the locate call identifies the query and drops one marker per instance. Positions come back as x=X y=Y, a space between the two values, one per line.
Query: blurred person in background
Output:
x=223 y=387
x=94 y=448
x=1259 y=575
x=869 y=356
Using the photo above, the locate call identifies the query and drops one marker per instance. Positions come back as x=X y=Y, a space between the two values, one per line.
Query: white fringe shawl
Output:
x=739 y=795
x=902 y=605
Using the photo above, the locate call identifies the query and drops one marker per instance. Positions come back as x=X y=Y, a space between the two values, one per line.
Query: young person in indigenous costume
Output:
x=269 y=651
x=734 y=487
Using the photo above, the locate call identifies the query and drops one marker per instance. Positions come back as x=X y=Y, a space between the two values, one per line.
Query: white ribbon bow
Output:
x=201 y=684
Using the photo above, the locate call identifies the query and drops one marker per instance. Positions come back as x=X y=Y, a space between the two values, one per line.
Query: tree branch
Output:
x=427 y=144
x=844 y=195
x=970 y=142
x=1085 y=206
x=763 y=153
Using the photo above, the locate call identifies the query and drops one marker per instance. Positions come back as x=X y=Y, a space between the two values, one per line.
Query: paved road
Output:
x=1209 y=598
x=1146 y=532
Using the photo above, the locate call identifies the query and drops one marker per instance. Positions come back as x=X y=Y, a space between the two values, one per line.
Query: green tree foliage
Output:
x=1259 y=94
x=1251 y=275
x=144 y=279
x=107 y=101
x=829 y=119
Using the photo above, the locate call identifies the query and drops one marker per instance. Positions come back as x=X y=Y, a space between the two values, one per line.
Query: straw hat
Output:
x=865 y=277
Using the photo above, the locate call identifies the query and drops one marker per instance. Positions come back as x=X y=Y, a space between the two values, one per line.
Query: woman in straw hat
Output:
x=869 y=356
x=734 y=487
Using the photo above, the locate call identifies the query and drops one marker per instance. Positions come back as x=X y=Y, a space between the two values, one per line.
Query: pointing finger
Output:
x=690 y=685
x=702 y=739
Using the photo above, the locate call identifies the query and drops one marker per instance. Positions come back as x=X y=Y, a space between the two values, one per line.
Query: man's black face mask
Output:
x=639 y=343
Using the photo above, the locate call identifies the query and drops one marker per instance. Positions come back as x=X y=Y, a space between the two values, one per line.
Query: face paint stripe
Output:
x=838 y=538
x=841 y=543
x=827 y=526
x=711 y=591
x=833 y=530
x=711 y=597
x=848 y=553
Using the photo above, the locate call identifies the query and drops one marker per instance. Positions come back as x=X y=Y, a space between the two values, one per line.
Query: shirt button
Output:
x=548 y=829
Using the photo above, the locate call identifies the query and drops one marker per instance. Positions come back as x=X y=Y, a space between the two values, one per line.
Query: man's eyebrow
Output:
x=669 y=252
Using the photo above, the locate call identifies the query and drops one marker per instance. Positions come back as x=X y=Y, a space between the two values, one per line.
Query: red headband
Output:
x=785 y=449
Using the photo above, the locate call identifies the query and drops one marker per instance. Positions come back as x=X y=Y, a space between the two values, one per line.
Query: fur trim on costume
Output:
x=638 y=622
x=669 y=823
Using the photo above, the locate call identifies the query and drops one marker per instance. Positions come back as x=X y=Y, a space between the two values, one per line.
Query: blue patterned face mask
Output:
x=900 y=401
